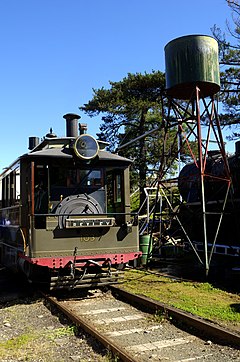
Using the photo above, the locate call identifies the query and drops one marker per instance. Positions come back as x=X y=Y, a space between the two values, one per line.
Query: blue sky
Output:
x=53 y=52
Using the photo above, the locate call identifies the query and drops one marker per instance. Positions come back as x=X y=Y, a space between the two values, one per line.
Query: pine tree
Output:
x=229 y=59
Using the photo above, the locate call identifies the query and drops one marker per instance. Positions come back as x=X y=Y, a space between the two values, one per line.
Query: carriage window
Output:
x=17 y=185
x=10 y=188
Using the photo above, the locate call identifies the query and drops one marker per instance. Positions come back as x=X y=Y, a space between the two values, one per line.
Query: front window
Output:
x=65 y=182
x=53 y=184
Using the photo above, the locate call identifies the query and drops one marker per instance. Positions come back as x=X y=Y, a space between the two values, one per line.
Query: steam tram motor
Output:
x=190 y=212
x=65 y=212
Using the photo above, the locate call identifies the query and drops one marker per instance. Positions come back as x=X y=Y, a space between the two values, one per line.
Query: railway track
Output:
x=152 y=331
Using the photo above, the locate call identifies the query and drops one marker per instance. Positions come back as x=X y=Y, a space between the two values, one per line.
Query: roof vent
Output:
x=51 y=134
x=82 y=128
x=33 y=142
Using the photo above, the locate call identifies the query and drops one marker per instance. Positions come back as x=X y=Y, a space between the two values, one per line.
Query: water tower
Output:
x=192 y=61
x=192 y=82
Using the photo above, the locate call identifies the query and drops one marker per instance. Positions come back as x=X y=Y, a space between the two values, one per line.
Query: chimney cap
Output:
x=71 y=116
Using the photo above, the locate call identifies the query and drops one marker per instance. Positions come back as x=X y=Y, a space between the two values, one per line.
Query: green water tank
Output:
x=192 y=61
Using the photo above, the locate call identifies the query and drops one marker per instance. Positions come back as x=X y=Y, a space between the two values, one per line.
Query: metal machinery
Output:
x=205 y=185
x=65 y=211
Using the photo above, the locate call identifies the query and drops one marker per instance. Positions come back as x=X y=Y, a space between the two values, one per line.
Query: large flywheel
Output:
x=77 y=205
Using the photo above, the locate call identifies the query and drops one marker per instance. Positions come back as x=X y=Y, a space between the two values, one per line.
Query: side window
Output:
x=41 y=189
x=110 y=192
x=118 y=188
x=114 y=190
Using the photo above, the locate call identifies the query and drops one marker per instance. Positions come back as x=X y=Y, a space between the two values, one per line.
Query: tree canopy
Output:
x=131 y=108
x=229 y=59
x=126 y=103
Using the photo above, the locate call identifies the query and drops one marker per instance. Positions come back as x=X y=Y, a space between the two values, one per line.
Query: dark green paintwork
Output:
x=192 y=61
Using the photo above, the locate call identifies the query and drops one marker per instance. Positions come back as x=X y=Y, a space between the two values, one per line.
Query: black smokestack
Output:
x=71 y=124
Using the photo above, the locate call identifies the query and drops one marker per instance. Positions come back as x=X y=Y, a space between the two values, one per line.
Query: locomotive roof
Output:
x=62 y=148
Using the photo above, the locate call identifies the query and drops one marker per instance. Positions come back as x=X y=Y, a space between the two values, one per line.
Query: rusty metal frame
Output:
x=183 y=114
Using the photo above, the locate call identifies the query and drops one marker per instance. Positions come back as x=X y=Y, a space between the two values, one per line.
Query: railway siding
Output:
x=206 y=328
x=30 y=331
x=139 y=336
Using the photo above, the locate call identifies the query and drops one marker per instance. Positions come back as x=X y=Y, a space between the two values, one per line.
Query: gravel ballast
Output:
x=30 y=331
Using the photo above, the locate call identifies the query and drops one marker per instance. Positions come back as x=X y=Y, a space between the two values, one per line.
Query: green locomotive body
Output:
x=65 y=212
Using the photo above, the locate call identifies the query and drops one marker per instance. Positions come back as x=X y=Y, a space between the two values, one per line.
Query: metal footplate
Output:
x=92 y=274
x=85 y=280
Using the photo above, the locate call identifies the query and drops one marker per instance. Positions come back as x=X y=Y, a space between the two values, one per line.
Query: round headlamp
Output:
x=86 y=147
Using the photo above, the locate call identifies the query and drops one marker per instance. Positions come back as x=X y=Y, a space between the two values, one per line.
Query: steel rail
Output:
x=89 y=328
x=209 y=330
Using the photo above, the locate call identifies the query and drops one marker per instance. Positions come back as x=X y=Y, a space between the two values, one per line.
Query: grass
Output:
x=201 y=299
x=28 y=346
